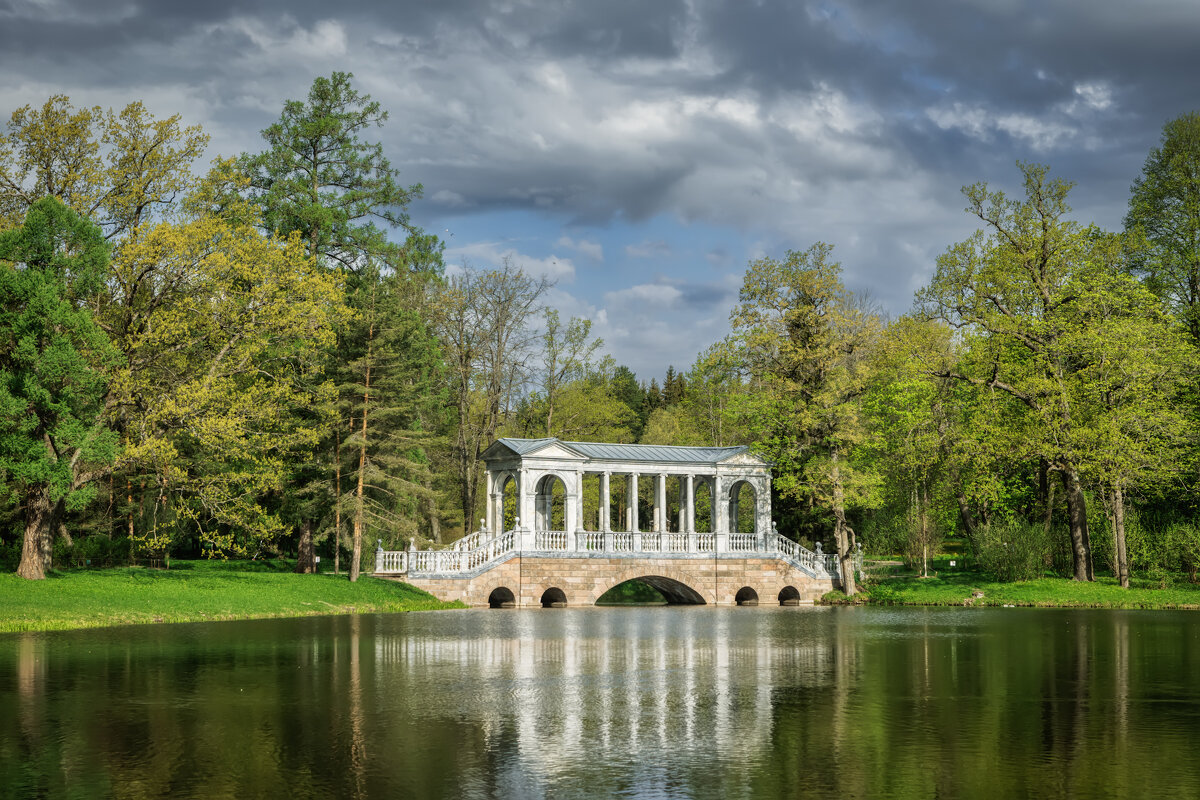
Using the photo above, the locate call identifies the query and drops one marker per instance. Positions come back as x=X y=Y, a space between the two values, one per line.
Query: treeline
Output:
x=269 y=357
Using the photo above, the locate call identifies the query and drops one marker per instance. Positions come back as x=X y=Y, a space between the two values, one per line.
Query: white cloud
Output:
x=593 y=250
x=659 y=295
x=491 y=255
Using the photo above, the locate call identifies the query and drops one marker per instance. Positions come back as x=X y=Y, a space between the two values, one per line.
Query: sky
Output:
x=641 y=154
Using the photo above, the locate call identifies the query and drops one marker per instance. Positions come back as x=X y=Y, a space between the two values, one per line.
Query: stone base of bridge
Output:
x=536 y=581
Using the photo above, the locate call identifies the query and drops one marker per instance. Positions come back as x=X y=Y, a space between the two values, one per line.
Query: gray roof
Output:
x=656 y=453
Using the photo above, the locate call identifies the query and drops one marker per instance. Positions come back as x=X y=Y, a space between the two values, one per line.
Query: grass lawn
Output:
x=950 y=586
x=194 y=591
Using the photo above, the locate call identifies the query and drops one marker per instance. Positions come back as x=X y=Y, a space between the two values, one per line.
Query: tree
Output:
x=566 y=356
x=223 y=331
x=54 y=363
x=318 y=178
x=483 y=323
x=1135 y=367
x=1164 y=207
x=120 y=170
x=803 y=341
x=1019 y=292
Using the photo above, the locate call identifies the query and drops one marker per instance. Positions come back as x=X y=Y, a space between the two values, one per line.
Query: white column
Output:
x=690 y=504
x=605 y=503
x=720 y=515
x=526 y=505
x=681 y=523
x=660 y=502
x=631 y=512
x=573 y=511
x=489 y=505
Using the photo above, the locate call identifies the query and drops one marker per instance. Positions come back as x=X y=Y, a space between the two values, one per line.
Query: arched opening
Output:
x=789 y=596
x=508 y=491
x=551 y=508
x=742 y=508
x=632 y=593
x=502 y=597
x=746 y=597
x=672 y=592
x=554 y=598
x=702 y=498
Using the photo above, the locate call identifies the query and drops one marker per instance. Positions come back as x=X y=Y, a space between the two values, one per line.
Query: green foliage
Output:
x=319 y=179
x=631 y=593
x=1013 y=550
x=1164 y=210
x=54 y=364
x=119 y=170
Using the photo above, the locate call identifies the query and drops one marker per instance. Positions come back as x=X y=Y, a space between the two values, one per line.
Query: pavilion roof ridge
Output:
x=605 y=451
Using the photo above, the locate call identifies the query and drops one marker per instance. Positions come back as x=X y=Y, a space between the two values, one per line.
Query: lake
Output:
x=681 y=702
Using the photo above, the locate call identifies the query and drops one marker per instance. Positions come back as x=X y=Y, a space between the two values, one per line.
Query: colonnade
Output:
x=535 y=500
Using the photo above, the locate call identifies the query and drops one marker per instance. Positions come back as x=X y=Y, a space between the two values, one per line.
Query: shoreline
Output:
x=195 y=591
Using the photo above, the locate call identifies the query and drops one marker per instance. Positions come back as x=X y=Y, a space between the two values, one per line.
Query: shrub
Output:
x=1014 y=551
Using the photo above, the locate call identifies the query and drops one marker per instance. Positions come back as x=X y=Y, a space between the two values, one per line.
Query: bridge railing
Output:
x=482 y=548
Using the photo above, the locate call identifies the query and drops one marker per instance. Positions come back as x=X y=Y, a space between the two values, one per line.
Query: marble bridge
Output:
x=565 y=524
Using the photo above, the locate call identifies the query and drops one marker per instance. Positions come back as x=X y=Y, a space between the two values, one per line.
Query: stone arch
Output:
x=550 y=507
x=676 y=589
x=502 y=597
x=789 y=596
x=554 y=597
x=746 y=596
x=743 y=507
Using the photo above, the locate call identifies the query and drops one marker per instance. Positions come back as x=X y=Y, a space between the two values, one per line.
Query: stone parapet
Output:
x=529 y=580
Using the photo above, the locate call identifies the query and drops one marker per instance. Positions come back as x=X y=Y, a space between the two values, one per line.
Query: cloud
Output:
x=592 y=250
x=780 y=123
x=648 y=249
x=657 y=295
x=493 y=255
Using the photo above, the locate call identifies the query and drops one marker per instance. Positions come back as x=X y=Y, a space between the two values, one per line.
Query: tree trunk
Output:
x=843 y=534
x=306 y=561
x=38 y=510
x=1047 y=487
x=1081 y=549
x=431 y=510
x=356 y=553
x=968 y=521
x=1122 y=556
x=337 y=497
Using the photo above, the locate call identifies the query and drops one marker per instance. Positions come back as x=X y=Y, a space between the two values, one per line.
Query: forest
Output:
x=264 y=356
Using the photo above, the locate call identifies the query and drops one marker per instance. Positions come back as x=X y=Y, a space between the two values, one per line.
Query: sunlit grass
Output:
x=193 y=591
x=958 y=586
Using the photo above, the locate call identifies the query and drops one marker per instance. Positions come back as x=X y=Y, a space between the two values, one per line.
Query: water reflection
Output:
x=611 y=702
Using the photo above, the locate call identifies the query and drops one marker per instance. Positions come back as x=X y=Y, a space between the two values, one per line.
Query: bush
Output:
x=10 y=555
x=1014 y=551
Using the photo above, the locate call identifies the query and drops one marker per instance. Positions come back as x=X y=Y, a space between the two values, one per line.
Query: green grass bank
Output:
x=949 y=586
x=194 y=591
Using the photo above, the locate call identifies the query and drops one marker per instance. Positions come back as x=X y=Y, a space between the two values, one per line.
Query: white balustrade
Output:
x=391 y=561
x=743 y=543
x=476 y=551
x=589 y=541
x=550 y=540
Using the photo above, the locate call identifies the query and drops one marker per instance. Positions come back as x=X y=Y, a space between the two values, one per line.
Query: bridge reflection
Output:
x=611 y=681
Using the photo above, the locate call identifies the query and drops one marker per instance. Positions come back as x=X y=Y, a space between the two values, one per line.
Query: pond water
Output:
x=617 y=702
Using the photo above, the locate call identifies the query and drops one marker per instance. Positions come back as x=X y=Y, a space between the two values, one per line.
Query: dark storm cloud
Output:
x=852 y=122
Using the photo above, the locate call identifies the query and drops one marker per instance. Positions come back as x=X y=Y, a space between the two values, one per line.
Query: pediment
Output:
x=555 y=451
x=744 y=459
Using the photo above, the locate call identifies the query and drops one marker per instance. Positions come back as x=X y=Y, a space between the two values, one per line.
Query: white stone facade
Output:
x=531 y=467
